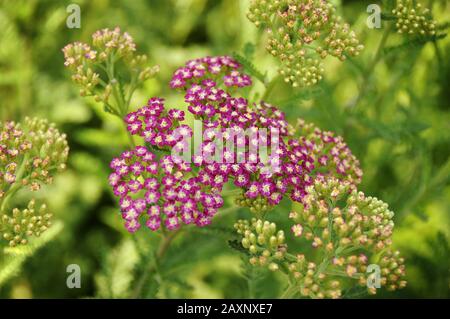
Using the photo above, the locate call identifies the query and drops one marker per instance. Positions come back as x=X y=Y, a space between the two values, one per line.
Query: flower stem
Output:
x=368 y=74
x=15 y=187
x=289 y=292
x=164 y=245
x=270 y=87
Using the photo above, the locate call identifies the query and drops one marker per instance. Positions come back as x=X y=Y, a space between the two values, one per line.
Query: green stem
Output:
x=368 y=73
x=122 y=104
x=289 y=292
x=131 y=90
x=164 y=245
x=118 y=96
x=270 y=88
x=16 y=185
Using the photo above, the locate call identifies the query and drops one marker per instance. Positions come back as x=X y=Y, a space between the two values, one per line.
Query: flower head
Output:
x=349 y=230
x=301 y=34
x=413 y=19
x=30 y=153
x=159 y=192
x=21 y=225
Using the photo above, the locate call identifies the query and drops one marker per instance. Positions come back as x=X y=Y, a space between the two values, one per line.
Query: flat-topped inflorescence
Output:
x=161 y=191
x=20 y=225
x=222 y=69
x=350 y=234
x=301 y=33
x=94 y=68
x=413 y=19
x=30 y=154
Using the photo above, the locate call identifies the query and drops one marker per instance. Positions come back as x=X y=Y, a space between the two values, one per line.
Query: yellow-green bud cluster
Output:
x=48 y=154
x=301 y=34
x=349 y=233
x=413 y=19
x=351 y=229
x=258 y=205
x=93 y=67
x=392 y=268
x=30 y=153
x=312 y=282
x=263 y=241
x=115 y=42
x=23 y=224
x=344 y=219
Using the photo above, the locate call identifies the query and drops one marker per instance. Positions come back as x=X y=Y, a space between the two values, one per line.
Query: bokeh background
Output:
x=400 y=132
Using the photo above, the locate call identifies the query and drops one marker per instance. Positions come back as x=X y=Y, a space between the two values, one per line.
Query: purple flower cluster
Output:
x=330 y=153
x=220 y=68
x=161 y=190
x=156 y=125
x=286 y=171
x=287 y=167
x=230 y=152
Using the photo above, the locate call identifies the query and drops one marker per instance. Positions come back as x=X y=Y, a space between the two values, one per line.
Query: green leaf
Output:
x=250 y=68
x=303 y=95
x=223 y=232
x=249 y=50
x=414 y=43
x=400 y=131
x=117 y=275
x=16 y=256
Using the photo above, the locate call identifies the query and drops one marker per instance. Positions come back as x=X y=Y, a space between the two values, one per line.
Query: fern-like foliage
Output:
x=250 y=68
x=413 y=43
x=14 y=257
x=117 y=276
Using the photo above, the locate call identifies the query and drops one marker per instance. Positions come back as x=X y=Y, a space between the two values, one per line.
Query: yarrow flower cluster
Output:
x=221 y=68
x=233 y=121
x=413 y=19
x=301 y=33
x=23 y=224
x=30 y=153
x=332 y=157
x=234 y=130
x=349 y=231
x=314 y=168
x=94 y=66
x=228 y=119
x=157 y=126
x=162 y=191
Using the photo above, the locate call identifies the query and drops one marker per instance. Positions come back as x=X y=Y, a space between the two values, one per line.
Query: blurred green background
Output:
x=400 y=132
